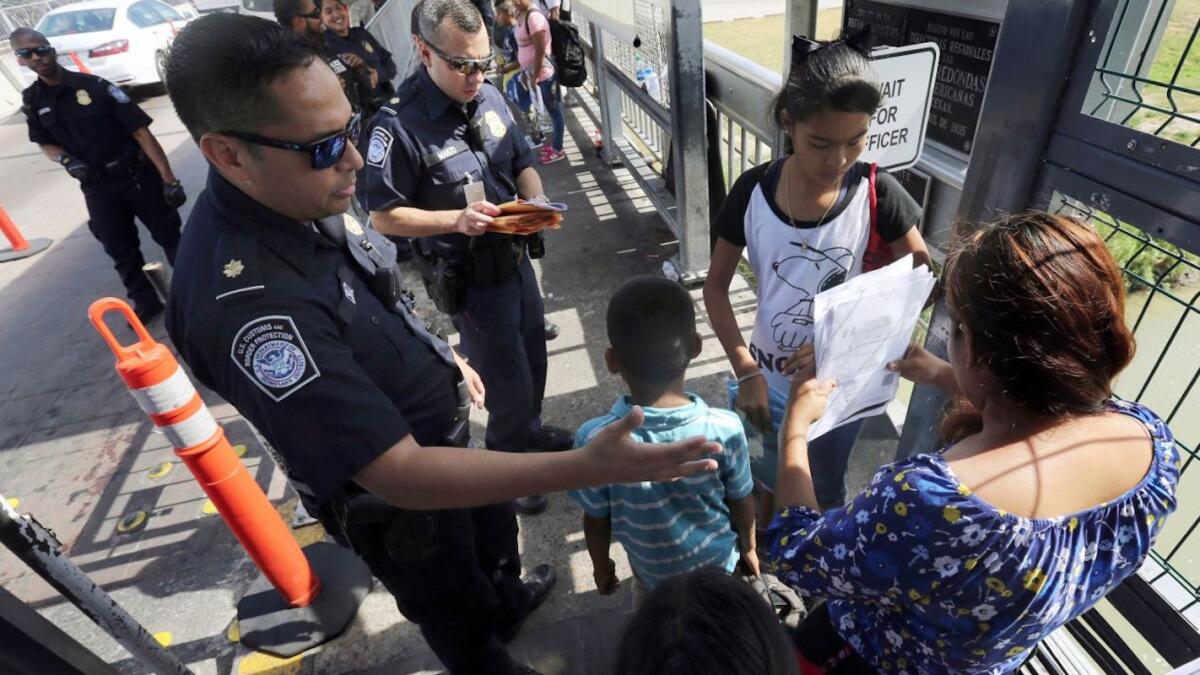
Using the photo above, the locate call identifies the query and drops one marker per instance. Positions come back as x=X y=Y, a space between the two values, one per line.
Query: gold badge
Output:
x=83 y=97
x=367 y=46
x=233 y=268
x=352 y=225
x=495 y=125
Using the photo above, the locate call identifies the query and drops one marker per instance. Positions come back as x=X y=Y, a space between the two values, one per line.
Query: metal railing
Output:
x=27 y=15
x=1148 y=77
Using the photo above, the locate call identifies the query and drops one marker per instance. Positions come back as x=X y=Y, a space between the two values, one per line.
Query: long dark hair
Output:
x=1046 y=306
x=827 y=77
x=705 y=622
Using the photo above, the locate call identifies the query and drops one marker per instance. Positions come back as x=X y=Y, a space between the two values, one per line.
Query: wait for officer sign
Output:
x=906 y=76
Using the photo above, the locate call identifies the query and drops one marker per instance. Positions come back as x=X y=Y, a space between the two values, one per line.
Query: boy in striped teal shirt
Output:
x=666 y=528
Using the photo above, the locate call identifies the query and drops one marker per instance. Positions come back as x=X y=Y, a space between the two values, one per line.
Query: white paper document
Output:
x=860 y=327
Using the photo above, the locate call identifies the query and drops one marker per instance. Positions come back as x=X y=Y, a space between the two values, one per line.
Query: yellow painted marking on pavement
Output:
x=309 y=534
x=239 y=450
x=234 y=632
x=208 y=508
x=132 y=522
x=160 y=470
x=14 y=502
x=164 y=638
x=259 y=663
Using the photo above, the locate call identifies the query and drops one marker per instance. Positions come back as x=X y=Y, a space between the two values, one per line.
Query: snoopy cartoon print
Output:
x=810 y=268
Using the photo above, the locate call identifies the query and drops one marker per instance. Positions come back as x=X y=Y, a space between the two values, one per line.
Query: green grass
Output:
x=762 y=41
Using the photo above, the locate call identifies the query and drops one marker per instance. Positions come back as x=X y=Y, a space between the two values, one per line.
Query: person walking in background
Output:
x=102 y=138
x=346 y=39
x=534 y=53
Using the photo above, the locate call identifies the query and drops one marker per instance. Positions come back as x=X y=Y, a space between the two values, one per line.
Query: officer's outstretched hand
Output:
x=617 y=457
x=473 y=220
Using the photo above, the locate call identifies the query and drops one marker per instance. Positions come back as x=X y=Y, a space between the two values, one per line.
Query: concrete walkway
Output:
x=77 y=453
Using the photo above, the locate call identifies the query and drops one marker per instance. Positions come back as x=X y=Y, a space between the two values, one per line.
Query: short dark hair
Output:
x=705 y=621
x=286 y=10
x=432 y=13
x=26 y=33
x=221 y=68
x=652 y=328
x=836 y=77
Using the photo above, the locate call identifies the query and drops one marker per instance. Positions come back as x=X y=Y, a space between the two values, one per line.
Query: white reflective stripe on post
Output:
x=193 y=431
x=165 y=396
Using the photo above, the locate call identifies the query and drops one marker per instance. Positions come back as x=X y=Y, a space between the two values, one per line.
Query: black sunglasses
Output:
x=40 y=50
x=463 y=66
x=324 y=152
x=315 y=14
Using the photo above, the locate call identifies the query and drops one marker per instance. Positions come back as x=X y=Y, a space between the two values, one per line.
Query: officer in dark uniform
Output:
x=439 y=157
x=103 y=140
x=304 y=17
x=344 y=38
x=291 y=314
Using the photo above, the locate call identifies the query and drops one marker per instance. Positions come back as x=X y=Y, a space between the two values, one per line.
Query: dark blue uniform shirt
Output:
x=423 y=147
x=360 y=41
x=91 y=118
x=281 y=322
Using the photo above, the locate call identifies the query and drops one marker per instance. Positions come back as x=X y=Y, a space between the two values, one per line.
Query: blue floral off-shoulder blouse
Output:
x=924 y=577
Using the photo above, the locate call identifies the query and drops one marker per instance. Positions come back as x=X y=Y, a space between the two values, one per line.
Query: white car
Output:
x=124 y=41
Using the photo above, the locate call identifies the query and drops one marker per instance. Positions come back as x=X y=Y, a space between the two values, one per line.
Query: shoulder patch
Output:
x=380 y=147
x=270 y=351
x=118 y=94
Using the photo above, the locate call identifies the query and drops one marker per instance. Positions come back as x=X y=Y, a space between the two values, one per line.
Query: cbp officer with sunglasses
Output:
x=103 y=140
x=291 y=314
x=440 y=156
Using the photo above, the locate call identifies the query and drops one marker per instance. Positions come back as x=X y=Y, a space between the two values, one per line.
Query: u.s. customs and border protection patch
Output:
x=270 y=351
x=118 y=94
x=379 y=147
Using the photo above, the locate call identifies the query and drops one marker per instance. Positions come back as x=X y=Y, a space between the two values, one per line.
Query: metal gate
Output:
x=1093 y=109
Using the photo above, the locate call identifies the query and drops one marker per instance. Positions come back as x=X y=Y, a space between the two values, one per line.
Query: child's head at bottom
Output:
x=652 y=333
x=705 y=621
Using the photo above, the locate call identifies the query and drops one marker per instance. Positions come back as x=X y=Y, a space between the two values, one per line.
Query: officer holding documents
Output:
x=439 y=157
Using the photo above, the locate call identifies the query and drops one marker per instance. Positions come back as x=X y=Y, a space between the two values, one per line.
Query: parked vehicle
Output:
x=124 y=41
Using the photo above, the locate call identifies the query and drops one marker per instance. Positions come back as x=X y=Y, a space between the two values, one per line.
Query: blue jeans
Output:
x=554 y=107
x=828 y=456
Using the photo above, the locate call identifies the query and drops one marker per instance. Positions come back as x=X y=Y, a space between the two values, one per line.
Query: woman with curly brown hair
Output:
x=1049 y=492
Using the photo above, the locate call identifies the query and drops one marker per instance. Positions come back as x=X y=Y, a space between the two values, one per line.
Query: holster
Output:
x=444 y=281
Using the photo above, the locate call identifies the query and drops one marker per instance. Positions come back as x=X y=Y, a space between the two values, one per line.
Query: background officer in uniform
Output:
x=290 y=313
x=304 y=18
x=344 y=38
x=103 y=140
x=439 y=157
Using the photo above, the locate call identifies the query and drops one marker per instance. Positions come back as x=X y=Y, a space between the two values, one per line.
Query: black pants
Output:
x=819 y=642
x=503 y=333
x=112 y=206
x=457 y=574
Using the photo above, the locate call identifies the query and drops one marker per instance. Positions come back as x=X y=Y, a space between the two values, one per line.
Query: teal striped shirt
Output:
x=672 y=528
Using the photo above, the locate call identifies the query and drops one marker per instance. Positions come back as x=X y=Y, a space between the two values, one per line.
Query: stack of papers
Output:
x=525 y=218
x=860 y=327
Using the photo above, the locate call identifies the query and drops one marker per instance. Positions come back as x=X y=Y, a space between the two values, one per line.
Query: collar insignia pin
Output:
x=233 y=268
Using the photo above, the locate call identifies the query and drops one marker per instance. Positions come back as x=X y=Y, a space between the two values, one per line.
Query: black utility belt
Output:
x=482 y=265
x=116 y=170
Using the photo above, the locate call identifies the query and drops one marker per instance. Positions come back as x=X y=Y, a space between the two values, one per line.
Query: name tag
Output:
x=475 y=192
x=439 y=156
x=337 y=66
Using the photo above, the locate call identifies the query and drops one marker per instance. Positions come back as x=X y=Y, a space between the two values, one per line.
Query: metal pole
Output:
x=39 y=549
x=36 y=645
x=158 y=276
x=689 y=138
x=608 y=95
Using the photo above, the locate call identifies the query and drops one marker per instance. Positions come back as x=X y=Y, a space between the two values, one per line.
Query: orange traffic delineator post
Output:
x=20 y=247
x=300 y=611
x=79 y=63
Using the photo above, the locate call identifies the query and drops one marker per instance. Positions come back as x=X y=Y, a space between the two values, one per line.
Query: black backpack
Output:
x=570 y=62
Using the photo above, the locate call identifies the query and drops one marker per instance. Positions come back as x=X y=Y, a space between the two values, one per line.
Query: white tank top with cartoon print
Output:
x=793 y=264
